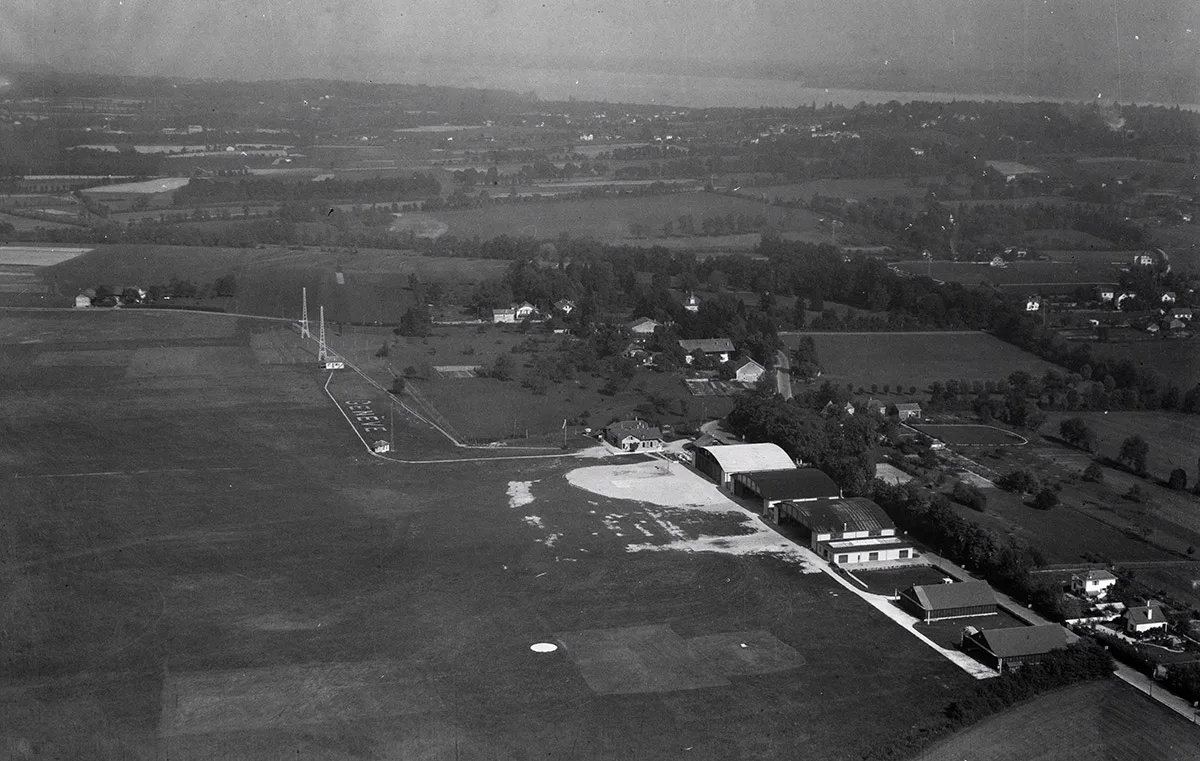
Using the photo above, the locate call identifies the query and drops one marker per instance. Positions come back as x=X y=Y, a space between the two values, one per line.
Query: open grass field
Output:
x=972 y=435
x=38 y=256
x=857 y=189
x=608 y=219
x=1174 y=438
x=203 y=563
x=1096 y=269
x=1177 y=360
x=916 y=359
x=487 y=409
x=1098 y=720
x=269 y=280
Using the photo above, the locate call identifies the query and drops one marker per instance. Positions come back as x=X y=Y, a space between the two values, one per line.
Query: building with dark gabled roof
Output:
x=771 y=487
x=936 y=602
x=1006 y=649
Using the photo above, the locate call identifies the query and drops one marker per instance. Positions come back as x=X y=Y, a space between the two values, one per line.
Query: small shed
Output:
x=908 y=411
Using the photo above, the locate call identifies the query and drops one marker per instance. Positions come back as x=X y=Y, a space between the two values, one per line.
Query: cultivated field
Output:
x=916 y=359
x=38 y=256
x=205 y=564
x=609 y=219
x=1098 y=720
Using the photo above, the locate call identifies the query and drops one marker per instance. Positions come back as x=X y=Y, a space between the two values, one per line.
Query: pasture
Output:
x=1174 y=438
x=205 y=564
x=38 y=256
x=1107 y=720
x=1176 y=360
x=607 y=219
x=855 y=189
x=916 y=359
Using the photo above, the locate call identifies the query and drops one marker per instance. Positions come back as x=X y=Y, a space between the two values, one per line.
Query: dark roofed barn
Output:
x=934 y=602
x=1010 y=648
x=797 y=485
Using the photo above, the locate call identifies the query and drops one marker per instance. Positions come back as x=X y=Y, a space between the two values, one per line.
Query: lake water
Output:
x=678 y=90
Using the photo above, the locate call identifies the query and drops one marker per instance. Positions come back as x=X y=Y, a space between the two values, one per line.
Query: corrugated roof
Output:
x=743 y=458
x=841 y=515
x=706 y=345
x=1024 y=640
x=965 y=594
x=797 y=483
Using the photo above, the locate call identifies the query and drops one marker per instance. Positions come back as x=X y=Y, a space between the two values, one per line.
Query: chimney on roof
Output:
x=1149 y=612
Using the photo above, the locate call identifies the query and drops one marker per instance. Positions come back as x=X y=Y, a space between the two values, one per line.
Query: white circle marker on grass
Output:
x=543 y=647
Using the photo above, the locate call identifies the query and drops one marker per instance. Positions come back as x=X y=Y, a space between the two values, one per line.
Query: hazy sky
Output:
x=375 y=39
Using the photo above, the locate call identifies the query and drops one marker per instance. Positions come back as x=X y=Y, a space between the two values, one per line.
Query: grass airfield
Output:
x=201 y=561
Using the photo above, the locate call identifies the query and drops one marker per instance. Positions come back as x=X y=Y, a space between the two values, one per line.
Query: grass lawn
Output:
x=1105 y=719
x=204 y=564
x=899 y=579
x=917 y=359
x=949 y=633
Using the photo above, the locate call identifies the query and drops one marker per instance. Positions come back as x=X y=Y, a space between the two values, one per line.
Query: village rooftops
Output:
x=841 y=516
x=964 y=594
x=706 y=345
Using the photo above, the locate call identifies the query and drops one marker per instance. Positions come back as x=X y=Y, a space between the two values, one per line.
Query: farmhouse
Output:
x=722 y=463
x=1144 y=618
x=718 y=349
x=749 y=371
x=1010 y=648
x=908 y=411
x=936 y=602
x=1093 y=583
x=643 y=326
x=793 y=485
x=634 y=436
x=513 y=314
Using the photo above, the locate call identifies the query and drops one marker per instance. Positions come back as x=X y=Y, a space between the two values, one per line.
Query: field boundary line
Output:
x=442 y=461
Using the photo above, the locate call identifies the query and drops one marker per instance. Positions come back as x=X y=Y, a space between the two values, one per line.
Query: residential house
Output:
x=830 y=408
x=634 y=436
x=1174 y=313
x=515 y=313
x=1093 y=583
x=1174 y=324
x=1033 y=304
x=937 y=602
x=1143 y=260
x=997 y=261
x=691 y=303
x=749 y=371
x=1145 y=618
x=908 y=411
x=564 y=306
x=1106 y=293
x=1168 y=297
x=1124 y=296
x=718 y=349
x=642 y=327
x=875 y=406
x=381 y=447
x=83 y=301
x=1010 y=648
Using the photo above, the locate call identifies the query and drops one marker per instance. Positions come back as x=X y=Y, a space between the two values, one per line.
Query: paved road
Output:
x=1145 y=685
x=783 y=374
x=880 y=332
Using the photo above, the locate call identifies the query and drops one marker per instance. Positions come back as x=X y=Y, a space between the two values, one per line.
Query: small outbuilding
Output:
x=749 y=371
x=936 y=602
x=1007 y=649
x=908 y=411
x=722 y=463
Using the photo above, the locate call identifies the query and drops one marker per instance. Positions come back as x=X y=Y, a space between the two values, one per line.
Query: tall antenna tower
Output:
x=322 y=352
x=304 y=333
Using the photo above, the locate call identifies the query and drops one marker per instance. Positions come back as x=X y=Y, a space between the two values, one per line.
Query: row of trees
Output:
x=371 y=189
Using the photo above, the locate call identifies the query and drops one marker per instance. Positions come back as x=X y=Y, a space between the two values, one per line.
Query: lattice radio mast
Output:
x=304 y=314
x=322 y=352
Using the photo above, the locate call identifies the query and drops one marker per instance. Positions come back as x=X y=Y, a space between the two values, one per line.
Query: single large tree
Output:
x=1134 y=451
x=1076 y=432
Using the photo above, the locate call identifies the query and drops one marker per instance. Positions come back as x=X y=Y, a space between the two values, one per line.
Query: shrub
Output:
x=1094 y=473
x=1178 y=479
x=970 y=495
x=1019 y=482
x=1046 y=498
